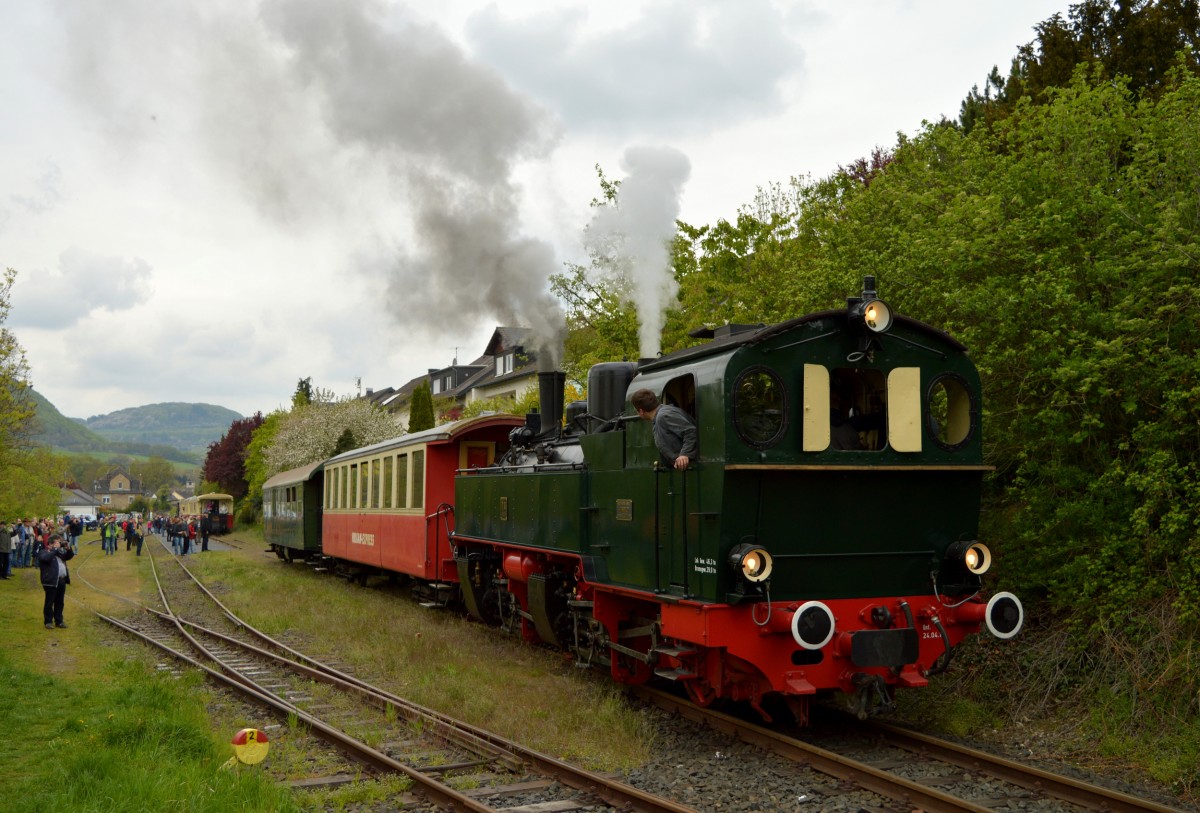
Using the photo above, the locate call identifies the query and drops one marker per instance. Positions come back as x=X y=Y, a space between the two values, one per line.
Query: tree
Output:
x=225 y=463
x=17 y=407
x=154 y=473
x=28 y=477
x=507 y=404
x=1141 y=41
x=26 y=483
x=319 y=430
x=162 y=499
x=256 y=469
x=420 y=415
x=304 y=392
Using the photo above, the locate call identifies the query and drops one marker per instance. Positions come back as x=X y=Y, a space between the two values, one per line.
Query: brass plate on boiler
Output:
x=625 y=510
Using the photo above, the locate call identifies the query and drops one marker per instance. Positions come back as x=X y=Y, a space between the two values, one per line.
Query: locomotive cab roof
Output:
x=745 y=335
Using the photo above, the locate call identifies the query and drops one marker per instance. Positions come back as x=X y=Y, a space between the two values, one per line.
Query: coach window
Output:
x=950 y=414
x=375 y=483
x=353 y=500
x=759 y=407
x=387 y=481
x=402 y=481
x=418 y=488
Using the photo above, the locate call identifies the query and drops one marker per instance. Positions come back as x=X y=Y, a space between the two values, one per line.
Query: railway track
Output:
x=384 y=733
x=903 y=770
x=919 y=771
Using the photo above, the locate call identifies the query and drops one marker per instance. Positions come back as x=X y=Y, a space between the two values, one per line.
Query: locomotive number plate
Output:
x=504 y=508
x=625 y=510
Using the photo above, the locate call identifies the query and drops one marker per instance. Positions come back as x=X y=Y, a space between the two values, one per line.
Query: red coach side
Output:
x=390 y=506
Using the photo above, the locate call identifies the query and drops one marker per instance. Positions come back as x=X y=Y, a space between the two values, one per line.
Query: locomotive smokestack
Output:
x=551 y=388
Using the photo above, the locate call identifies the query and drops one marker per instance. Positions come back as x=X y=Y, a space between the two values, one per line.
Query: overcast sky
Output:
x=206 y=201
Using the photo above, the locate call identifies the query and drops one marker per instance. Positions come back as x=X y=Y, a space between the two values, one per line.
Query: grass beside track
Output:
x=92 y=725
x=86 y=728
x=528 y=693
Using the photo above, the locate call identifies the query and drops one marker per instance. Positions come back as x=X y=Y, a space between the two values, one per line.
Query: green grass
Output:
x=93 y=728
x=128 y=740
x=528 y=693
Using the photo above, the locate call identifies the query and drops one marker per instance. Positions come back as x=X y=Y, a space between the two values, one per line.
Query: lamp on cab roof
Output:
x=868 y=312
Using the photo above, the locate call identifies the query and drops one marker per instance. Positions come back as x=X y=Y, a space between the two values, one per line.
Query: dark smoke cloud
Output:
x=305 y=103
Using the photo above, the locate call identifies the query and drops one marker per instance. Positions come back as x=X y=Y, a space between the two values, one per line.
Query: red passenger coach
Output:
x=389 y=507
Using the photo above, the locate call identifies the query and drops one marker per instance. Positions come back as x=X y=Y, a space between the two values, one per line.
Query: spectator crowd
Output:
x=21 y=541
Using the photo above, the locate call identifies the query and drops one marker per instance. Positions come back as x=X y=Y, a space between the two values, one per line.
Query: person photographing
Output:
x=52 y=559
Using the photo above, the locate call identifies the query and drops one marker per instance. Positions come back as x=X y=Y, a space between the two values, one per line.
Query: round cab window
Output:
x=759 y=407
x=950 y=417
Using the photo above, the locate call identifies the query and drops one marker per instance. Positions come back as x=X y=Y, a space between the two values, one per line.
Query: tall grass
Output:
x=439 y=659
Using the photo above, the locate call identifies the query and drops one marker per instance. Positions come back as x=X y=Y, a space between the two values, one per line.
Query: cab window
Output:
x=760 y=407
x=857 y=404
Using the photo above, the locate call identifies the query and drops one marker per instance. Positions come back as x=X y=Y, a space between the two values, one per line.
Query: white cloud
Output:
x=83 y=284
x=678 y=65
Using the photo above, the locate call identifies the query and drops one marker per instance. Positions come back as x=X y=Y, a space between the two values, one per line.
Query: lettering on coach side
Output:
x=363 y=539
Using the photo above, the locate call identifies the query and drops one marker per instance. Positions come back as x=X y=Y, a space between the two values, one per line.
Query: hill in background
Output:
x=59 y=432
x=175 y=431
x=190 y=427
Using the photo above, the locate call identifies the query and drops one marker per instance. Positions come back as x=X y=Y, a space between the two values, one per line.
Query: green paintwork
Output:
x=844 y=526
x=296 y=526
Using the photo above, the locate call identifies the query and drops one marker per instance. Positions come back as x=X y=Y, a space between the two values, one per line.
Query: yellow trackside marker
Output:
x=250 y=745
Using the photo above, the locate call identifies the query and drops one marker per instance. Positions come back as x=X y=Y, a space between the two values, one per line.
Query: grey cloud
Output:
x=404 y=89
x=680 y=65
x=301 y=103
x=84 y=282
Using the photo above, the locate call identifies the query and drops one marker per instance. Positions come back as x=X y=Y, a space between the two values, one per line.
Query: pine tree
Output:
x=421 y=415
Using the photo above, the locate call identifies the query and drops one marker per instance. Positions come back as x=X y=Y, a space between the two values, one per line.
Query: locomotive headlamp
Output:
x=877 y=316
x=868 y=312
x=752 y=561
x=974 y=556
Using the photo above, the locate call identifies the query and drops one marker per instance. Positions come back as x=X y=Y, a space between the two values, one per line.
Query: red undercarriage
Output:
x=747 y=651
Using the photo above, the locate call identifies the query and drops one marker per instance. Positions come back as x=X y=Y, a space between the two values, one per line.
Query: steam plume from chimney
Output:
x=641 y=227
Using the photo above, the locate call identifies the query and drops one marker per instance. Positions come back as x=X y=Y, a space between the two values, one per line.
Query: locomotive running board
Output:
x=675 y=674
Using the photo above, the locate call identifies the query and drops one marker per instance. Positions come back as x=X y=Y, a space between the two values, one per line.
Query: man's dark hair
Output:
x=644 y=400
x=56 y=536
